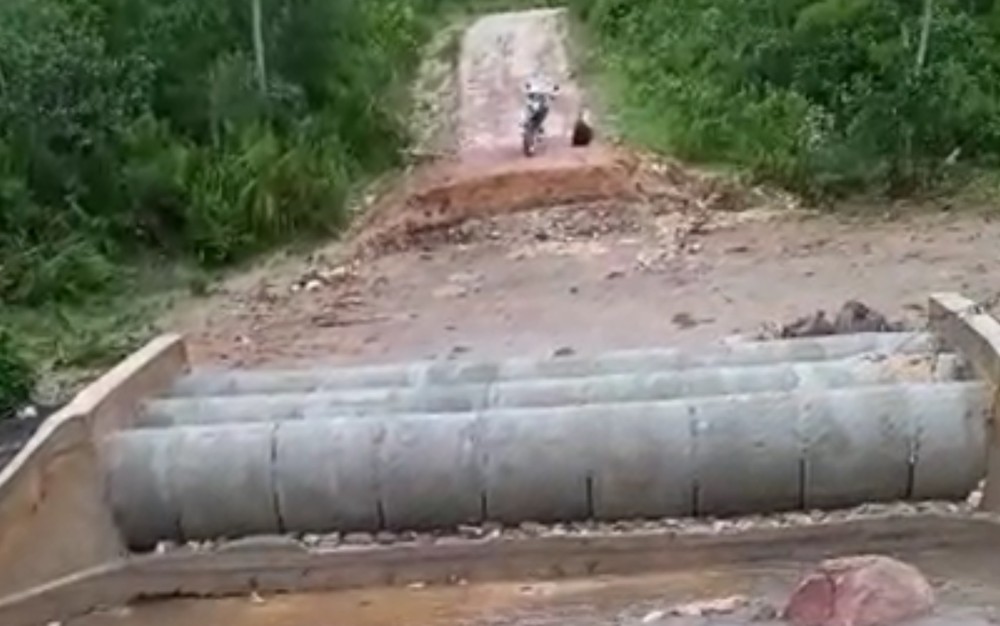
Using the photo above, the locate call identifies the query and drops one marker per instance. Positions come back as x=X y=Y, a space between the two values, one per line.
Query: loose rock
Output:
x=714 y=606
x=358 y=539
x=866 y=590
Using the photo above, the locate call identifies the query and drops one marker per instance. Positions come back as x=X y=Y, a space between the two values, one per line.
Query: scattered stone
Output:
x=868 y=590
x=416 y=585
x=358 y=539
x=815 y=325
x=451 y=291
x=470 y=531
x=29 y=412
x=492 y=527
x=975 y=499
x=764 y=612
x=329 y=542
x=255 y=598
x=856 y=317
x=653 y=616
x=162 y=547
x=714 y=606
x=260 y=543
x=425 y=538
x=853 y=317
x=533 y=529
x=386 y=538
x=684 y=321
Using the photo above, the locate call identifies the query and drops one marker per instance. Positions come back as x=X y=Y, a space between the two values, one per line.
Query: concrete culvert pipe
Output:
x=553 y=392
x=212 y=383
x=718 y=456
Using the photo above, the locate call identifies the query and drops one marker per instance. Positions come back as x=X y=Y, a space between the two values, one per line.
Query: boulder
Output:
x=867 y=590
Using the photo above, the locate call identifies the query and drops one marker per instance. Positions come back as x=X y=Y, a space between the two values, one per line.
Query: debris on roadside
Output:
x=853 y=317
x=713 y=606
x=319 y=276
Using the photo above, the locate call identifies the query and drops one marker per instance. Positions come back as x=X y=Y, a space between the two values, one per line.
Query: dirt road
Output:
x=583 y=278
x=499 y=54
x=966 y=599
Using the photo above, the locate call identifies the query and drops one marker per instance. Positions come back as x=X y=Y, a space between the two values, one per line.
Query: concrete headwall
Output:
x=54 y=518
x=964 y=326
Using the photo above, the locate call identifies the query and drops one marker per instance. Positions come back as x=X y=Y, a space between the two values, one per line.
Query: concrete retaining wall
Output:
x=54 y=519
x=719 y=455
x=224 y=382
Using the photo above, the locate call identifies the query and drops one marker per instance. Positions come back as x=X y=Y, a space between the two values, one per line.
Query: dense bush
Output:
x=825 y=96
x=130 y=127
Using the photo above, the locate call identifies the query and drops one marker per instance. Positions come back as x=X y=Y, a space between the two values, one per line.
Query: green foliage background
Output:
x=823 y=96
x=134 y=132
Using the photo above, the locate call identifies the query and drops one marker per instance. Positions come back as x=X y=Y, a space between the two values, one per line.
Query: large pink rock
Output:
x=860 y=591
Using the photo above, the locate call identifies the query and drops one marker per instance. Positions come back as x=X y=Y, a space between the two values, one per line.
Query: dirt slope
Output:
x=670 y=269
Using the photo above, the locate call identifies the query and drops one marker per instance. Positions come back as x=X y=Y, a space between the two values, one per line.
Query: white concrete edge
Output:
x=962 y=325
x=90 y=398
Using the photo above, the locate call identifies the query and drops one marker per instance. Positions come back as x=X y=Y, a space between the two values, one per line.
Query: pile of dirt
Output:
x=443 y=195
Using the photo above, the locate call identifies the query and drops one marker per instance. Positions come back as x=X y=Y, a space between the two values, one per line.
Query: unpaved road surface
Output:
x=522 y=286
x=499 y=54
x=965 y=586
x=585 y=277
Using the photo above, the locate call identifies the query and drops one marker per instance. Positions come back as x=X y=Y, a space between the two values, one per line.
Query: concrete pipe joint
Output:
x=547 y=392
x=219 y=383
x=703 y=456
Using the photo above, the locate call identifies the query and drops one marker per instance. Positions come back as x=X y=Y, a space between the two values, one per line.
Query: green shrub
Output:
x=825 y=96
x=138 y=128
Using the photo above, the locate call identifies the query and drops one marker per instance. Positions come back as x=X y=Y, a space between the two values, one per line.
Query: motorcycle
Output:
x=535 y=112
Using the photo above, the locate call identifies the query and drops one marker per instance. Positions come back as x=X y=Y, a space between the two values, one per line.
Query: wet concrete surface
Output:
x=965 y=584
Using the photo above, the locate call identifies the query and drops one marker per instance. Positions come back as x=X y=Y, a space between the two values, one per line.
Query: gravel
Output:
x=491 y=531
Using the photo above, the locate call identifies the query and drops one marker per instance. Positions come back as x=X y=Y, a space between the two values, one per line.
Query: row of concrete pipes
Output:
x=748 y=428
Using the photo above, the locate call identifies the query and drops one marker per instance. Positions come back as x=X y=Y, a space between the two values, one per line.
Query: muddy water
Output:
x=966 y=584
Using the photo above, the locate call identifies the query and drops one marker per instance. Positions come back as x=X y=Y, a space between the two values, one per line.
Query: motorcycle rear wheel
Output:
x=528 y=141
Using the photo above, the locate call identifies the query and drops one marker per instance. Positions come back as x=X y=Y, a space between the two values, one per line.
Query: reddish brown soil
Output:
x=446 y=194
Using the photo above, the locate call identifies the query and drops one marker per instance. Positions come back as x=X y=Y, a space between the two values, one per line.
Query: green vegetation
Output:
x=827 y=97
x=144 y=134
